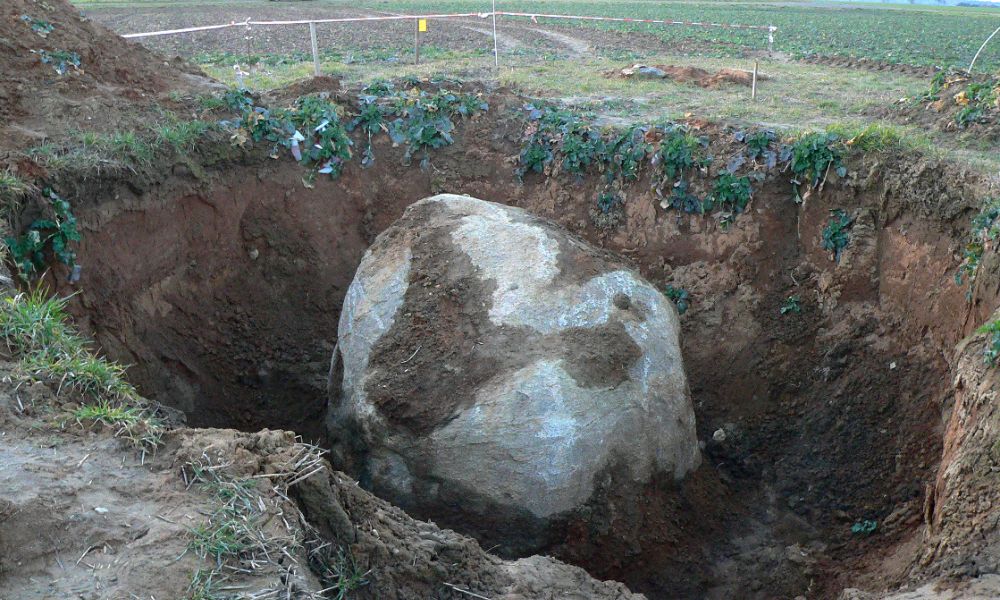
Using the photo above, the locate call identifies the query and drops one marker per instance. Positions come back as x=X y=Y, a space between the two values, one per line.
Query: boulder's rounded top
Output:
x=492 y=350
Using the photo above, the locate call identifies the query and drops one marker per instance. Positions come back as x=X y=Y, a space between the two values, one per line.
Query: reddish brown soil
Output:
x=869 y=64
x=117 y=86
x=701 y=77
x=225 y=298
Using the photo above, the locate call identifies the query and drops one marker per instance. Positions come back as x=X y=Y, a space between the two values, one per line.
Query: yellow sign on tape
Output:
x=422 y=25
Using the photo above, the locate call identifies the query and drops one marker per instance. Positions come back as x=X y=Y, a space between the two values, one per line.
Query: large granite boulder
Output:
x=497 y=371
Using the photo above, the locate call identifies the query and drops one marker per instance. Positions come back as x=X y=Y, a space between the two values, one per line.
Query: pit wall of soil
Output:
x=223 y=291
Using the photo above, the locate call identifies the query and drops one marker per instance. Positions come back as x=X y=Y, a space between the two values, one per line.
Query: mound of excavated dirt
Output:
x=955 y=102
x=60 y=72
x=82 y=516
x=692 y=75
x=491 y=356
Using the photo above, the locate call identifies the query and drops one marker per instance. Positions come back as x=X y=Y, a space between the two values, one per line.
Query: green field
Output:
x=916 y=35
x=926 y=36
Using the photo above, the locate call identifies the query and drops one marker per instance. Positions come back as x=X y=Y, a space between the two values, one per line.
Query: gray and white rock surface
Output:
x=497 y=368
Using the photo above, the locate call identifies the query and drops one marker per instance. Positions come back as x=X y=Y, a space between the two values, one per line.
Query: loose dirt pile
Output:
x=60 y=72
x=84 y=516
x=693 y=75
x=954 y=102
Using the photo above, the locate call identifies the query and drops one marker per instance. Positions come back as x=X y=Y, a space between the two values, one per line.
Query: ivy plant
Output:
x=51 y=235
x=836 y=234
x=985 y=230
x=680 y=297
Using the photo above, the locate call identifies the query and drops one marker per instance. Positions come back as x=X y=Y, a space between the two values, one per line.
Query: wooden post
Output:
x=315 y=49
x=416 y=41
x=753 y=85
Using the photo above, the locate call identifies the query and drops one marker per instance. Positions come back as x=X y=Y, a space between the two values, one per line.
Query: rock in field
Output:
x=498 y=370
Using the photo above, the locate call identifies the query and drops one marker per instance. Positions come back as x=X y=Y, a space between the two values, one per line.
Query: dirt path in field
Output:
x=576 y=45
x=504 y=42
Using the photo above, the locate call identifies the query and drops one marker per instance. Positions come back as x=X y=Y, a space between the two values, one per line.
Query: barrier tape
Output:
x=250 y=22
x=533 y=16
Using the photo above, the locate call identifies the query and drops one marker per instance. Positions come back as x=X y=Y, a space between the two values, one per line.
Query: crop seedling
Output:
x=40 y=26
x=865 y=528
x=371 y=121
x=677 y=152
x=731 y=192
x=607 y=202
x=758 y=148
x=311 y=130
x=424 y=120
x=792 y=304
x=237 y=100
x=61 y=60
x=680 y=298
x=627 y=153
x=549 y=129
x=683 y=200
x=836 y=234
x=53 y=234
x=810 y=159
x=582 y=146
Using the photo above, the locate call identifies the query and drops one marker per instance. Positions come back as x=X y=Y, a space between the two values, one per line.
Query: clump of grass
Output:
x=35 y=327
x=875 y=137
x=12 y=190
x=33 y=323
x=183 y=135
x=239 y=533
x=341 y=574
x=233 y=530
x=208 y=102
x=126 y=147
x=83 y=372
x=201 y=586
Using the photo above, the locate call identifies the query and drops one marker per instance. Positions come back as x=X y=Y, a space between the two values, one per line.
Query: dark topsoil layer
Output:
x=118 y=85
x=220 y=278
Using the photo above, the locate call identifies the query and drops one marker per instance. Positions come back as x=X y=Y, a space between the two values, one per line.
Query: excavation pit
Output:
x=223 y=291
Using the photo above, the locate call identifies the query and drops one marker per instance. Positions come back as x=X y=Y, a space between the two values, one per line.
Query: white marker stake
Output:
x=496 y=46
x=315 y=49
